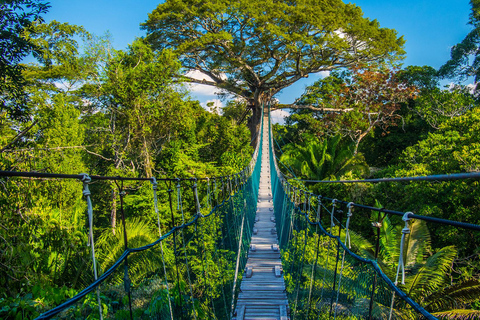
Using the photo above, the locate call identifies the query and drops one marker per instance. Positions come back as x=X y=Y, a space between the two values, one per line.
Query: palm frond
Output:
x=361 y=244
x=458 y=314
x=454 y=296
x=390 y=242
x=316 y=159
x=417 y=244
x=379 y=311
x=432 y=274
x=139 y=233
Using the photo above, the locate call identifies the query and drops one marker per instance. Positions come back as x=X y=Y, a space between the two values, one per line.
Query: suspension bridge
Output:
x=244 y=246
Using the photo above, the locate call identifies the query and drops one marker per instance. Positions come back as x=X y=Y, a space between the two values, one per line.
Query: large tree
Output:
x=254 y=50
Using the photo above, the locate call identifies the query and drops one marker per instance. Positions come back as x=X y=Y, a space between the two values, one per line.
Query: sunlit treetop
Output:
x=269 y=45
x=255 y=49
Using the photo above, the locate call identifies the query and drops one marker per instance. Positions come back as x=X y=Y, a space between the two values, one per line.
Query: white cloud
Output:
x=279 y=115
x=67 y=86
x=340 y=33
x=322 y=74
x=201 y=89
x=471 y=88
x=195 y=74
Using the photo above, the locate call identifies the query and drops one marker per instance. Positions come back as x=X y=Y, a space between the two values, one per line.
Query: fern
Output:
x=418 y=244
x=427 y=274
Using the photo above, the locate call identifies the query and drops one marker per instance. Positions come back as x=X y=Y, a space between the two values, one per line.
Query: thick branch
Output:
x=220 y=84
x=309 y=107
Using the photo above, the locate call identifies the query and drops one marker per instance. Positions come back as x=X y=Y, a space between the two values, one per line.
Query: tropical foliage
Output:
x=83 y=106
x=355 y=102
x=108 y=112
x=431 y=130
x=428 y=274
x=329 y=160
x=464 y=61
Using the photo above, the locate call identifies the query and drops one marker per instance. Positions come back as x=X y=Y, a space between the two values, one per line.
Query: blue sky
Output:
x=430 y=27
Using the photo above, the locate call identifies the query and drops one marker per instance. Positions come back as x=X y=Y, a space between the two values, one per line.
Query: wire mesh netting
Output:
x=324 y=278
x=172 y=249
x=177 y=249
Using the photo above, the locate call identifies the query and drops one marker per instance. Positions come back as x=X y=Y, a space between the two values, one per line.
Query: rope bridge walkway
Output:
x=244 y=246
x=262 y=292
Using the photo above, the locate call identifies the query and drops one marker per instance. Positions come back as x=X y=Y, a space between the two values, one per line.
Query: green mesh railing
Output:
x=324 y=278
x=192 y=271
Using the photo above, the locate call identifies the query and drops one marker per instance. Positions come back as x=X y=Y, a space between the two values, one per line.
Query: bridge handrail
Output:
x=440 y=177
x=243 y=174
x=284 y=182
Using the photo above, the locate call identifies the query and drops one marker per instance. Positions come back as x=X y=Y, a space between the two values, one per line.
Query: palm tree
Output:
x=327 y=159
x=141 y=264
x=145 y=269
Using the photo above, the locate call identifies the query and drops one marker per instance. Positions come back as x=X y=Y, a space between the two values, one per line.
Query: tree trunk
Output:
x=254 y=124
x=113 y=215
x=260 y=101
x=147 y=161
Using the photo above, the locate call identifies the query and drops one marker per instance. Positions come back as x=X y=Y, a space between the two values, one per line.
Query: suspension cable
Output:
x=86 y=192
x=154 y=188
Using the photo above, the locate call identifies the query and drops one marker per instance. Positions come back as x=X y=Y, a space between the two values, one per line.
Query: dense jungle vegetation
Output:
x=83 y=106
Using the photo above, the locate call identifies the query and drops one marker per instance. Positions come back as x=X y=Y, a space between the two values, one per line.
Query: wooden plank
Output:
x=262 y=290
x=283 y=313
x=271 y=280
x=262 y=312
x=263 y=287
x=265 y=277
x=258 y=302
x=268 y=295
x=265 y=247
x=241 y=313
x=265 y=254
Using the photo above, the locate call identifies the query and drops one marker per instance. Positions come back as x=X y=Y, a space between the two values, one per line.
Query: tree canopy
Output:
x=465 y=58
x=16 y=17
x=353 y=103
x=254 y=51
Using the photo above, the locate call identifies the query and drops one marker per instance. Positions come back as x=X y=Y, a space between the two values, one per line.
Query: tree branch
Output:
x=98 y=155
x=19 y=136
x=221 y=84
x=309 y=107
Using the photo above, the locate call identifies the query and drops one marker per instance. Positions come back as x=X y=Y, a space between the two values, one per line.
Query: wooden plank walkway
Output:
x=262 y=292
